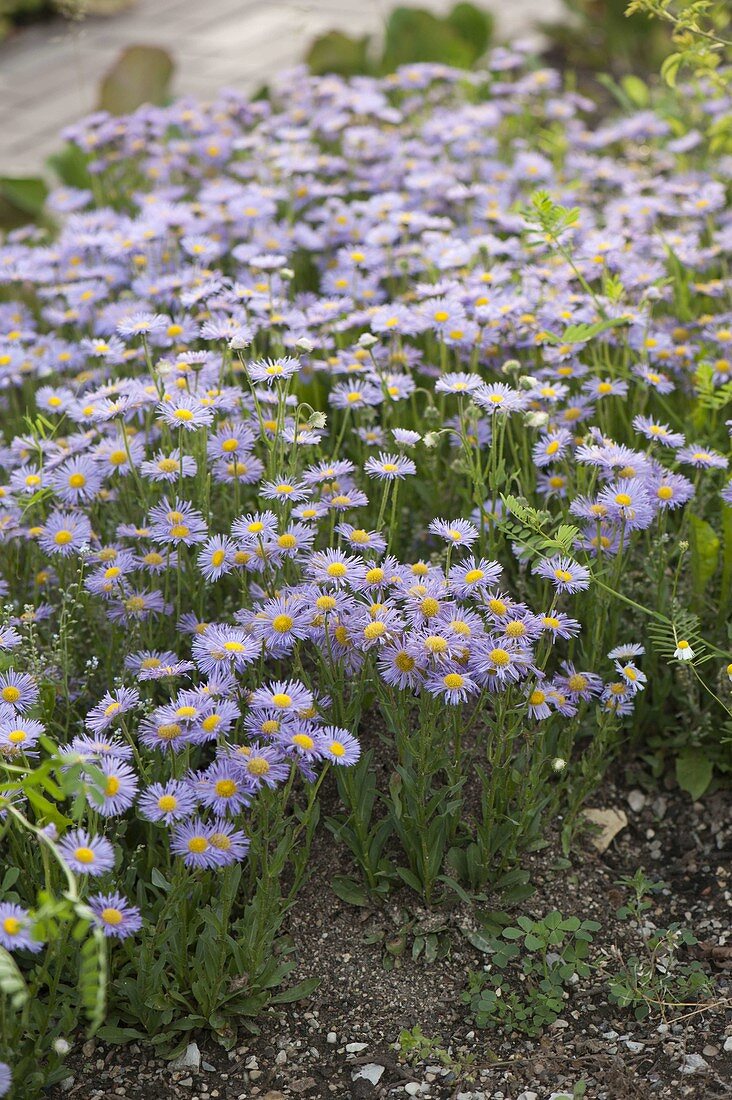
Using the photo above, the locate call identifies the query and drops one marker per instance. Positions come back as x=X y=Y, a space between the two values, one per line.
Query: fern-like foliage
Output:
x=683 y=625
x=531 y=528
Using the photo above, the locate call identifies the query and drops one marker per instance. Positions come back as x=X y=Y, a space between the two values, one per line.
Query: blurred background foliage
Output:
x=411 y=35
x=618 y=44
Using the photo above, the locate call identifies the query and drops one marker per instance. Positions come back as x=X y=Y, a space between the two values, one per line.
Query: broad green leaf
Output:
x=349 y=891
x=474 y=25
x=335 y=52
x=704 y=553
x=693 y=772
x=141 y=74
x=414 y=35
x=12 y=983
x=297 y=992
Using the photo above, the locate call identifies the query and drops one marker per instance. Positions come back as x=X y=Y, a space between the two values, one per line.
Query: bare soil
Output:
x=367 y=995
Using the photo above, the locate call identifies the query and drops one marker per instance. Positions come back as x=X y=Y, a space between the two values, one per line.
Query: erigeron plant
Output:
x=330 y=450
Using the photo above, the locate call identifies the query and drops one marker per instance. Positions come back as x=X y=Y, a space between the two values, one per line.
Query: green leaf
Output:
x=636 y=90
x=670 y=68
x=693 y=772
x=141 y=74
x=473 y=25
x=21 y=200
x=296 y=992
x=726 y=560
x=12 y=983
x=349 y=891
x=704 y=553
x=413 y=35
x=479 y=940
x=119 y=1034
x=335 y=52
x=70 y=165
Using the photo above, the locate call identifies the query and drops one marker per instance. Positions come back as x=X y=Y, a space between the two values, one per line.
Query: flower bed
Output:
x=388 y=412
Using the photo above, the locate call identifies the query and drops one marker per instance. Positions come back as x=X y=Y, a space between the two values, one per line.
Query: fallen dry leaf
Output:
x=609 y=823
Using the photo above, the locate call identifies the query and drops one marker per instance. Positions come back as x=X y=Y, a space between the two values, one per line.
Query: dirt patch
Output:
x=367 y=995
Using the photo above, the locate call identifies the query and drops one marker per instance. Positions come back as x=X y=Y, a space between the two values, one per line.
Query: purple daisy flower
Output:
x=117 y=791
x=16 y=928
x=65 y=533
x=115 y=916
x=77 y=480
x=18 y=690
x=696 y=454
x=85 y=854
x=228 y=844
x=388 y=467
x=167 y=802
x=110 y=707
x=221 y=788
x=282 y=697
x=190 y=839
x=455 y=532
x=177 y=523
x=564 y=573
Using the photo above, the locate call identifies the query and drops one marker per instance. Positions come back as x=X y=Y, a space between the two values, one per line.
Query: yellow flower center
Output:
x=430 y=607
x=225 y=788
x=336 y=569
x=404 y=662
x=110 y=915
x=281 y=700
x=453 y=680
x=257 y=765
x=499 y=657
x=303 y=741
x=169 y=731
x=167 y=803
x=63 y=538
x=623 y=499
x=77 y=481
x=374 y=630
x=537 y=698
x=112 y=786
x=515 y=630
x=197 y=844
x=12 y=926
x=84 y=855
x=10 y=693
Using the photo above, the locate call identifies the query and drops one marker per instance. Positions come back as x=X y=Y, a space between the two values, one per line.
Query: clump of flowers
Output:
x=323 y=423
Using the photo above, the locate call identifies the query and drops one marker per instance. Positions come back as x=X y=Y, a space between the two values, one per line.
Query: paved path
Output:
x=49 y=74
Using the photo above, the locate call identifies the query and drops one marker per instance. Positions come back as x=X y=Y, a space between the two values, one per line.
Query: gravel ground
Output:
x=343 y=1041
